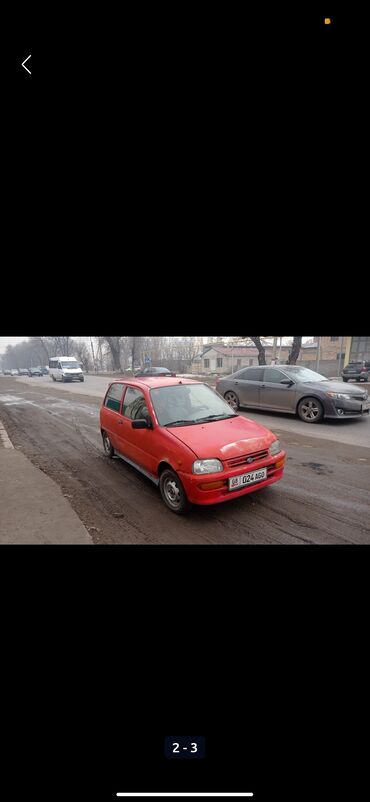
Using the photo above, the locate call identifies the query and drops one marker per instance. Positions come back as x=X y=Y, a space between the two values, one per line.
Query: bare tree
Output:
x=295 y=349
x=81 y=351
x=260 y=349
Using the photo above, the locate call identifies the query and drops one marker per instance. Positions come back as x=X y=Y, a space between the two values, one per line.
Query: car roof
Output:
x=155 y=381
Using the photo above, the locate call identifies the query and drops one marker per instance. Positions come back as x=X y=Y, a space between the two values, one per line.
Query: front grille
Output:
x=242 y=460
x=361 y=397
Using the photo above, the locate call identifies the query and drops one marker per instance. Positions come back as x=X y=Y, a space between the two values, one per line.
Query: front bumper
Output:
x=198 y=493
x=344 y=408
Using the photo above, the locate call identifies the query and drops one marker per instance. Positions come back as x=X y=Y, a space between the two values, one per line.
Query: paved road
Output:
x=323 y=498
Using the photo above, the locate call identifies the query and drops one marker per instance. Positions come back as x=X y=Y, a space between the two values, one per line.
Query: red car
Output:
x=187 y=440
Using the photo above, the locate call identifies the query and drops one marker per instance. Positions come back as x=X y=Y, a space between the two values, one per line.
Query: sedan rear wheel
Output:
x=310 y=410
x=173 y=493
x=232 y=399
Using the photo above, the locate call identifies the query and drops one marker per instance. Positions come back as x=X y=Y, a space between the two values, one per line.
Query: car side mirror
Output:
x=142 y=423
x=288 y=382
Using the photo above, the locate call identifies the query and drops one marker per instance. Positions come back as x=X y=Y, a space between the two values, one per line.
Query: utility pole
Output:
x=340 y=355
x=93 y=355
x=273 y=358
x=318 y=354
x=279 y=357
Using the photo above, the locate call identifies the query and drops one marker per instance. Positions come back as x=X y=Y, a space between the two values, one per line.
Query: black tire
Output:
x=310 y=410
x=173 y=493
x=53 y=378
x=345 y=380
x=83 y=379
x=107 y=445
x=232 y=400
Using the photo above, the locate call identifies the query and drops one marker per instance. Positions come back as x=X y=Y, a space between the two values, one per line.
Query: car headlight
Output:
x=207 y=466
x=274 y=448
x=339 y=395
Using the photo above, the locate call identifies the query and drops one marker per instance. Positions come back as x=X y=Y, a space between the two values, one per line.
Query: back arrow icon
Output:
x=24 y=62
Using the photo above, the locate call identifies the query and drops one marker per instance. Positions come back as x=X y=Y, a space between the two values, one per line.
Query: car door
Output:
x=247 y=386
x=138 y=445
x=111 y=415
x=273 y=394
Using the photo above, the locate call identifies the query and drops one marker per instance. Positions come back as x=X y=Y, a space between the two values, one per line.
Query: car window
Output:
x=273 y=375
x=251 y=374
x=114 y=396
x=134 y=404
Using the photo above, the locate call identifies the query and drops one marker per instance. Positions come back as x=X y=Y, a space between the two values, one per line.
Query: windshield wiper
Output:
x=215 y=417
x=179 y=422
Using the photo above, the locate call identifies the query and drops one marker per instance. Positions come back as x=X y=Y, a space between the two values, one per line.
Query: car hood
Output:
x=333 y=387
x=224 y=439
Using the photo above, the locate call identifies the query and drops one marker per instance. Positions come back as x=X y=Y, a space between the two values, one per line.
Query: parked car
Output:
x=186 y=439
x=357 y=370
x=44 y=371
x=154 y=372
x=7 y=372
x=14 y=372
x=35 y=372
x=24 y=372
x=289 y=388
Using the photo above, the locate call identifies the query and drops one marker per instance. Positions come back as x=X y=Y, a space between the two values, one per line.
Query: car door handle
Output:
x=263 y=385
x=120 y=422
x=236 y=382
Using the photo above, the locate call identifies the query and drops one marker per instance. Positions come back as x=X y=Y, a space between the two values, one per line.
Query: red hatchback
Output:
x=187 y=440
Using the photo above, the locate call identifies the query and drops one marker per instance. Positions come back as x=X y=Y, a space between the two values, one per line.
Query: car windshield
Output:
x=185 y=404
x=300 y=374
x=73 y=365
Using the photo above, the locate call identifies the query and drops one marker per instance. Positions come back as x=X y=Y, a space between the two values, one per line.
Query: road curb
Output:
x=4 y=437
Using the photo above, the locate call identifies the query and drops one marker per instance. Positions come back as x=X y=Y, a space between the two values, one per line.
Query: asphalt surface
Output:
x=324 y=496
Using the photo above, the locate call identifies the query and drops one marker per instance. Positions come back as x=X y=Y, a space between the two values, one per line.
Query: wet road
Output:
x=324 y=496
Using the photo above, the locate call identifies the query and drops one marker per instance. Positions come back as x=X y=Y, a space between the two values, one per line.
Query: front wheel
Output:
x=232 y=399
x=310 y=410
x=345 y=380
x=173 y=493
x=107 y=445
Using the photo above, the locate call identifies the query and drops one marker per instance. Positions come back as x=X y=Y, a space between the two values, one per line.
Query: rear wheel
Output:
x=232 y=399
x=173 y=493
x=345 y=380
x=107 y=445
x=310 y=410
x=53 y=378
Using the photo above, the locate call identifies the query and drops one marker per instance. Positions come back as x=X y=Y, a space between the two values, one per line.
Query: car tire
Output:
x=345 y=380
x=173 y=493
x=53 y=378
x=232 y=400
x=83 y=379
x=107 y=445
x=310 y=410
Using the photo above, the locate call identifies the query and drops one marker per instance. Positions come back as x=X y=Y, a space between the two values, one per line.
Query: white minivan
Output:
x=65 y=369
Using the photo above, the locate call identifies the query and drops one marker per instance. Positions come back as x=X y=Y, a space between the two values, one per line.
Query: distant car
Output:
x=44 y=371
x=14 y=372
x=24 y=372
x=360 y=371
x=289 y=388
x=7 y=372
x=186 y=439
x=155 y=372
x=35 y=372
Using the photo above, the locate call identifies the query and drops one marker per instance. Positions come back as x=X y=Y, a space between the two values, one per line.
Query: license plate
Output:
x=247 y=478
x=366 y=406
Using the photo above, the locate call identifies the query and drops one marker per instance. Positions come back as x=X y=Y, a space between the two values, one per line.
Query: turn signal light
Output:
x=280 y=463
